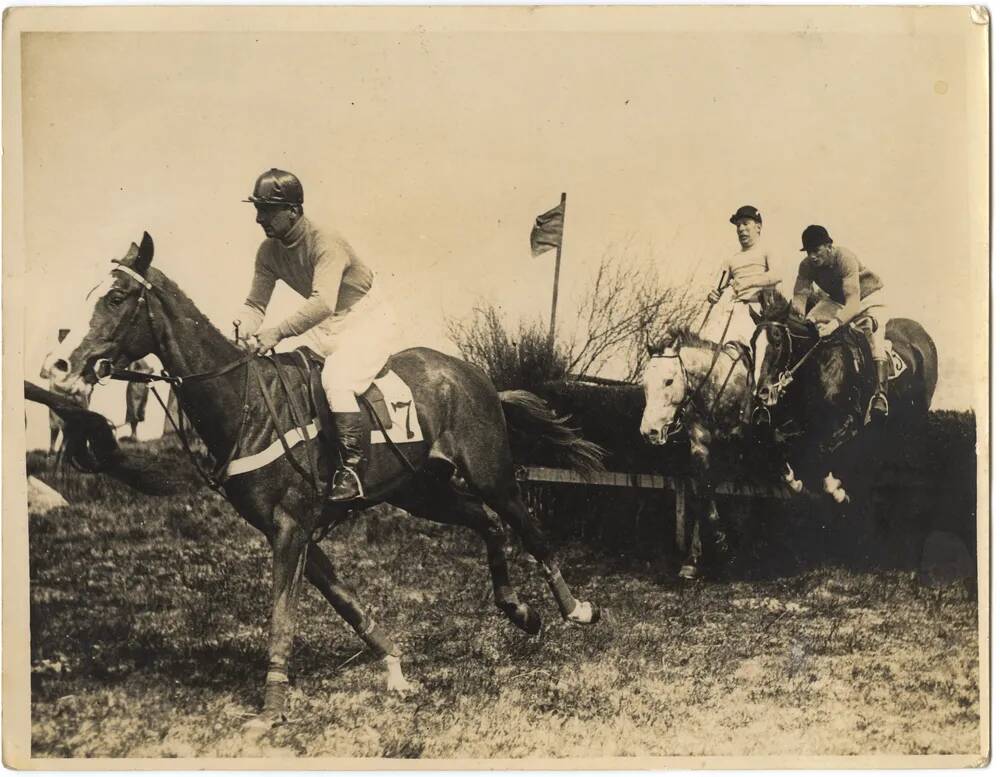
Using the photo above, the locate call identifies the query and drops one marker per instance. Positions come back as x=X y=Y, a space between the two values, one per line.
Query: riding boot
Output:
x=346 y=483
x=879 y=405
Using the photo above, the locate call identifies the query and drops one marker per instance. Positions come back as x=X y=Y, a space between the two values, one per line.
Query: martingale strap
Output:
x=307 y=476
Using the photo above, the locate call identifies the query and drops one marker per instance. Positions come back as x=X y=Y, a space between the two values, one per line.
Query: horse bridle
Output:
x=689 y=397
x=777 y=389
x=104 y=368
x=675 y=426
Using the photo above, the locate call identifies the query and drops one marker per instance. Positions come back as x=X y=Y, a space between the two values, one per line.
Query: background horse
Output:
x=138 y=311
x=813 y=393
x=692 y=387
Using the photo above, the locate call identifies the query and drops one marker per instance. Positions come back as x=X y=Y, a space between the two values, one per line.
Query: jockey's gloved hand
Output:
x=714 y=296
x=267 y=339
x=827 y=328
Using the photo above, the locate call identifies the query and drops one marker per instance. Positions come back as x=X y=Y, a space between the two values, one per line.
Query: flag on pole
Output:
x=548 y=230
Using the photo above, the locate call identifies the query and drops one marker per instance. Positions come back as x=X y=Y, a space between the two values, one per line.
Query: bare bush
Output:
x=523 y=360
x=626 y=307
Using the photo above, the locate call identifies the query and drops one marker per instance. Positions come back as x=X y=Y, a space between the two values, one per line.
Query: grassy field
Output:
x=149 y=625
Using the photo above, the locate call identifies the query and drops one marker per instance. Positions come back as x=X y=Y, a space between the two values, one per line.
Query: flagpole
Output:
x=555 y=282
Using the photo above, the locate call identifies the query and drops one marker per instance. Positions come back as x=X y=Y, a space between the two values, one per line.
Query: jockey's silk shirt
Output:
x=318 y=264
x=746 y=268
x=842 y=269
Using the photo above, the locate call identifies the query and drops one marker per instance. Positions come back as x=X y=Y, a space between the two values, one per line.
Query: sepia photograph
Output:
x=552 y=387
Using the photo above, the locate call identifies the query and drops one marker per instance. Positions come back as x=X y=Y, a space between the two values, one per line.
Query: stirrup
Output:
x=871 y=413
x=342 y=488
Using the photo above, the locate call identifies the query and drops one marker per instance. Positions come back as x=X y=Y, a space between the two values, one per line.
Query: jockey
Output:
x=343 y=317
x=844 y=284
x=748 y=272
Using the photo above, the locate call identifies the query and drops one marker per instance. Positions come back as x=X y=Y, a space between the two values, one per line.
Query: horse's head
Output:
x=785 y=337
x=664 y=384
x=110 y=328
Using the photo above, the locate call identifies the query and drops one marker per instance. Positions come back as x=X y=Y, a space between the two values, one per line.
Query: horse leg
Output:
x=701 y=441
x=288 y=543
x=460 y=510
x=507 y=502
x=320 y=572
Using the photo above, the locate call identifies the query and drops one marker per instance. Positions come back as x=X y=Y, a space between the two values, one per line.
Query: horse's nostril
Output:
x=60 y=365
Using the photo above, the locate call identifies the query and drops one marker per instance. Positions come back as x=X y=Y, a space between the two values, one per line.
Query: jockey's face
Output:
x=820 y=254
x=276 y=220
x=748 y=231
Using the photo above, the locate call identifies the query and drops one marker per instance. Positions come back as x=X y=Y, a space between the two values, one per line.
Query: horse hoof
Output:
x=395 y=681
x=259 y=725
x=523 y=616
x=688 y=572
x=584 y=613
x=400 y=685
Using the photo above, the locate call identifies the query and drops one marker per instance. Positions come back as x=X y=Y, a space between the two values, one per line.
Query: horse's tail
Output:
x=536 y=432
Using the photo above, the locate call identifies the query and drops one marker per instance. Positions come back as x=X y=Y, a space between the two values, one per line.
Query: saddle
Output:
x=385 y=421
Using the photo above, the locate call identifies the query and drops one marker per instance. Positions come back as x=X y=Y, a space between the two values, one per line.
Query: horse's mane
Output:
x=777 y=308
x=686 y=337
x=171 y=289
x=680 y=337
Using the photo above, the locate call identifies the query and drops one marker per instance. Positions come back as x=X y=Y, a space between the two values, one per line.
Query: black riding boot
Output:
x=880 y=402
x=346 y=484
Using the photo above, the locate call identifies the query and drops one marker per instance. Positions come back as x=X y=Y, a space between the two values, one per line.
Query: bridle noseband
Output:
x=776 y=390
x=675 y=426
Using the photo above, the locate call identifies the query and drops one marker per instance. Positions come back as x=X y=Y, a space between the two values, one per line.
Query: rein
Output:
x=786 y=376
x=689 y=397
x=104 y=368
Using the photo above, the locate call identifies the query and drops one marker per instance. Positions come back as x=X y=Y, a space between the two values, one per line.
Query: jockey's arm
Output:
x=251 y=315
x=800 y=294
x=722 y=278
x=852 y=297
x=327 y=275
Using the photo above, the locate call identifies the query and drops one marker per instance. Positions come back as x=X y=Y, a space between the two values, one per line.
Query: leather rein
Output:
x=217 y=477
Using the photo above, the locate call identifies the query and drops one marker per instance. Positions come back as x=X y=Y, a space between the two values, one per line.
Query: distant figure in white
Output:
x=82 y=396
x=136 y=396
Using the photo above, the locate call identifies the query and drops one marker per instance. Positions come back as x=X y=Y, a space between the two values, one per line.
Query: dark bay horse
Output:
x=813 y=393
x=694 y=388
x=138 y=311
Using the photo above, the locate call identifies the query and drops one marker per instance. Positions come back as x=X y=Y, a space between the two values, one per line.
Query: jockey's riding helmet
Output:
x=276 y=187
x=815 y=236
x=746 y=212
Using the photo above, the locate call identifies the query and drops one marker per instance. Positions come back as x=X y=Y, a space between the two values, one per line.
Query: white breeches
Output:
x=741 y=325
x=356 y=345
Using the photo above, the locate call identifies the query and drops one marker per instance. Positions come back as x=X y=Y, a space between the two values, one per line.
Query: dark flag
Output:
x=548 y=230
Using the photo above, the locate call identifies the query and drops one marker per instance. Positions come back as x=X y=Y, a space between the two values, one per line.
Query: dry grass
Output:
x=149 y=628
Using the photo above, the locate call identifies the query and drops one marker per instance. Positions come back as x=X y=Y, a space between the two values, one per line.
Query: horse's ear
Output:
x=145 y=254
x=757 y=317
x=652 y=349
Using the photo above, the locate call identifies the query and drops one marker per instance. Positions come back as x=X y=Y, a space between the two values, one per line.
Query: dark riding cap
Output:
x=746 y=212
x=815 y=236
x=276 y=187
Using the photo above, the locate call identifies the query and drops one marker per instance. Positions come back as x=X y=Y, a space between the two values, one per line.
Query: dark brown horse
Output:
x=138 y=311
x=813 y=393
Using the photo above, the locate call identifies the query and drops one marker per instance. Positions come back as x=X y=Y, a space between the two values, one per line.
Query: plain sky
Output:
x=432 y=148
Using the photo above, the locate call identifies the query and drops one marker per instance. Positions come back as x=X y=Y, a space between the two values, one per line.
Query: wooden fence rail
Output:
x=678 y=485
